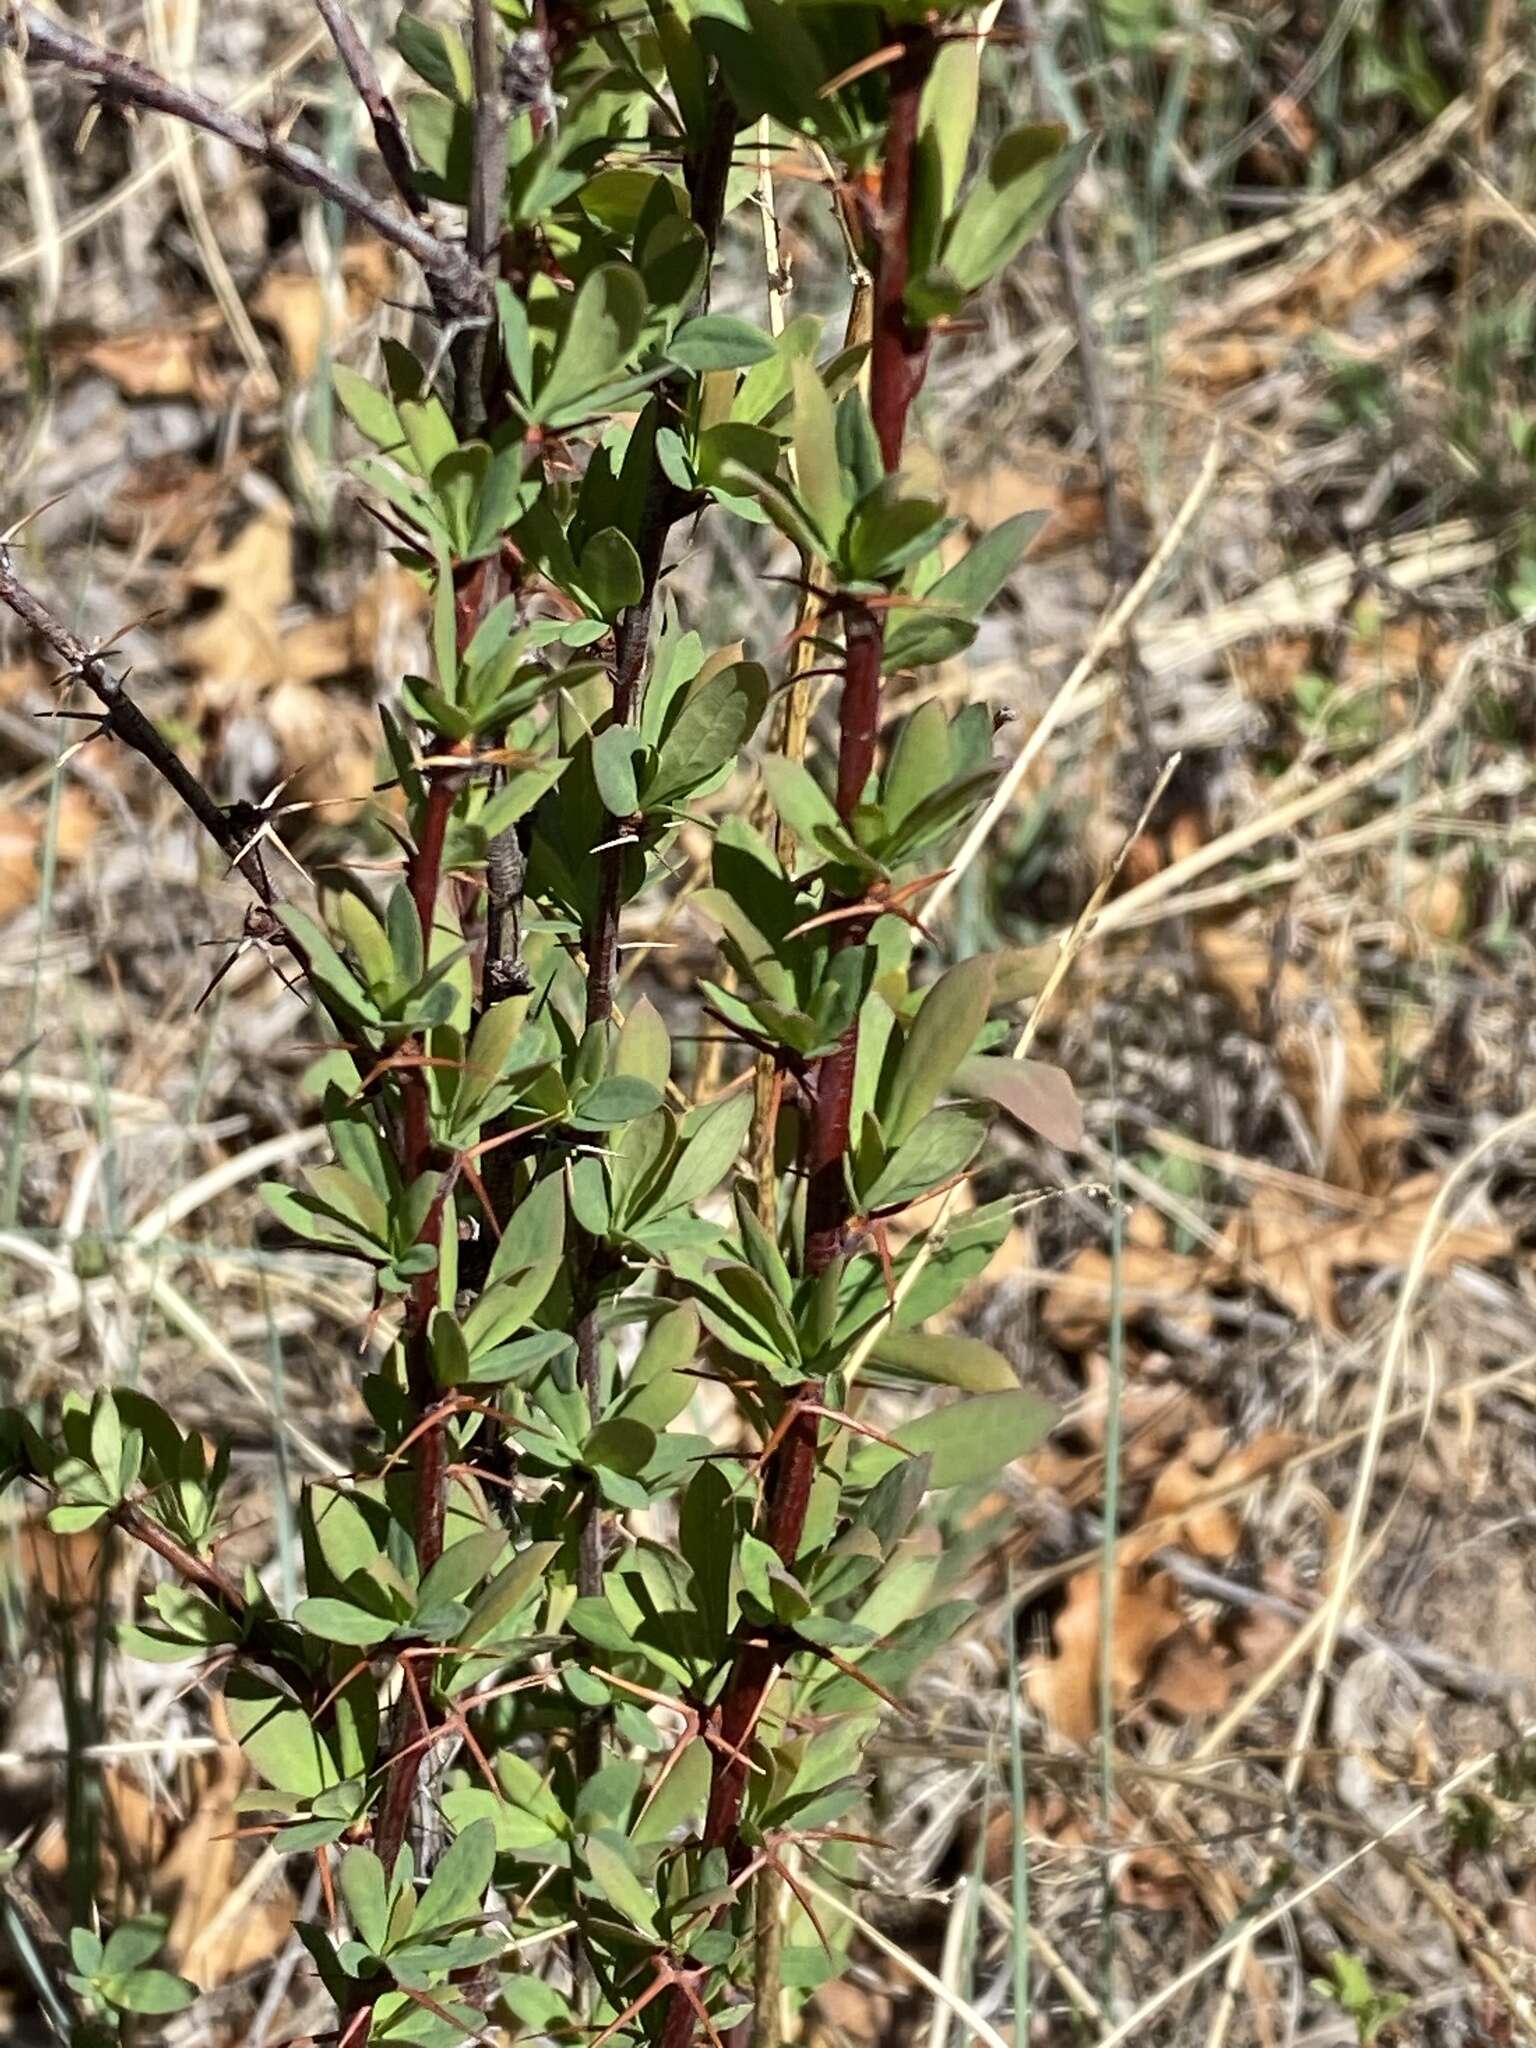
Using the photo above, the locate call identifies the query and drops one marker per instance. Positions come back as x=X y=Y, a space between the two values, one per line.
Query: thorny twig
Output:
x=487 y=176
x=123 y=720
x=388 y=133
x=455 y=280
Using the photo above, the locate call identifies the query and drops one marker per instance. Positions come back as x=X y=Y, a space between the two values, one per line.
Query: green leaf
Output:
x=981 y=572
x=353 y=1199
x=756 y=1299
x=489 y=1056
x=888 y=530
x=617 y=1099
x=948 y=1023
x=517 y=341
x=719 y=341
x=517 y=1359
x=610 y=572
x=782 y=505
x=919 y=762
x=406 y=496
x=507 y=1592
x=602 y=331
x=858 y=445
x=942 y=1146
x=712 y=1137
x=338 y=1621
x=148 y=1991
x=429 y=431
x=106 y=1439
x=710 y=731
x=614 y=754
x=369 y=409
x=609 y=1868
x=948 y=117
x=620 y=1444
x=276 y=1735
x=972 y=1439
x=506 y=492
x=85 y=1950
x=364 y=1889
x=366 y=939
x=131 y=1944
x=458 y=1887
x=538 y=2006
x=1029 y=172
x=1036 y=1095
x=461 y=1568
x=658 y=1389
x=706 y=1536
x=534 y=1236
x=456 y=485
x=342 y=1533
x=947 y=1360
x=800 y=800
x=326 y=965
x=644 y=1047
x=817 y=474
x=678 y=1803
x=69 y=1521
x=437 y=54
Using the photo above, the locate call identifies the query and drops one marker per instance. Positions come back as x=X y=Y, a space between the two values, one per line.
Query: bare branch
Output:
x=455 y=280
x=123 y=720
x=487 y=190
x=357 y=60
x=488 y=172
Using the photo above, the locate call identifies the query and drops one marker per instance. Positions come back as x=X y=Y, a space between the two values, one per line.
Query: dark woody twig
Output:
x=357 y=61
x=123 y=720
x=487 y=182
x=488 y=168
x=454 y=279
x=275 y=1641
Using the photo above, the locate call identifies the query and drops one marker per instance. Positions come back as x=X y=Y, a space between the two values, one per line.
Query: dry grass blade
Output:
x=1151 y=898
x=959 y=2008
x=1109 y=630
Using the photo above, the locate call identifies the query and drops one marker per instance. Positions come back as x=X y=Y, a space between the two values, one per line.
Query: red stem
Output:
x=412 y=1722
x=897 y=362
x=898 y=349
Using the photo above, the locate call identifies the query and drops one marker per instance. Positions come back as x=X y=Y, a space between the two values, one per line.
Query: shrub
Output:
x=652 y=1659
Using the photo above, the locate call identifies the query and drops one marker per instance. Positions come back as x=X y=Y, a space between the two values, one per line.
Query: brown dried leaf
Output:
x=1154 y=1879
x=1330 y=289
x=1332 y=1063
x=22 y=829
x=1184 y=1503
x=224 y=1921
x=1065 y=1687
x=845 y=2012
x=1194 y=1676
x=61 y=1572
x=1076 y=1310
x=1222 y=362
x=171 y=362
x=1027 y=480
x=1301 y=1253
x=238 y=644
x=294 y=303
